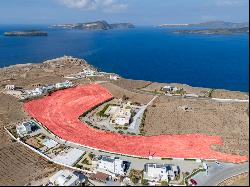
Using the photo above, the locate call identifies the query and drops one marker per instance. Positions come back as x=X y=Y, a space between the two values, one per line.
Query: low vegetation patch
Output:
x=211 y=93
x=164 y=183
x=136 y=175
x=85 y=113
x=166 y=158
x=91 y=155
x=102 y=112
x=13 y=132
x=144 y=182
x=190 y=159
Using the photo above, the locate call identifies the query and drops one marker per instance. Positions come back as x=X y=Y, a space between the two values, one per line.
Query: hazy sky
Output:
x=139 y=12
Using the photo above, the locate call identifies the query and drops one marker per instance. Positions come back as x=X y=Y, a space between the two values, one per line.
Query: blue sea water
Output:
x=144 y=53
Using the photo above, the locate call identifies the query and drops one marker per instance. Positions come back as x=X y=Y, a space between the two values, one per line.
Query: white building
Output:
x=157 y=173
x=169 y=89
x=10 y=87
x=22 y=130
x=64 y=84
x=39 y=90
x=69 y=156
x=120 y=115
x=113 y=77
x=89 y=72
x=35 y=92
x=112 y=165
x=65 y=178
x=50 y=87
x=26 y=128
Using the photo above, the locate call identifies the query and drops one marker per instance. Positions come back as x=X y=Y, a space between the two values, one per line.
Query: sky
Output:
x=138 y=12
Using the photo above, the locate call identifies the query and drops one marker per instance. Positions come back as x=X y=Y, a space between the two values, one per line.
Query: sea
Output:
x=144 y=53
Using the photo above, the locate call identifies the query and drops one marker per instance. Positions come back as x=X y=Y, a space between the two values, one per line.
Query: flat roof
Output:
x=69 y=157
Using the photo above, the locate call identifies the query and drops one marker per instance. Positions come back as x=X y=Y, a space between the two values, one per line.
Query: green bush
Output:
x=134 y=179
x=102 y=112
x=13 y=132
x=91 y=155
x=166 y=158
x=144 y=182
x=85 y=161
x=79 y=166
x=121 y=132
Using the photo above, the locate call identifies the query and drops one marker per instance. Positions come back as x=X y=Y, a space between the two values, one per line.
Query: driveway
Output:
x=135 y=125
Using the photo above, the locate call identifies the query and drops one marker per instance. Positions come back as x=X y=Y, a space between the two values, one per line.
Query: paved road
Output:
x=218 y=173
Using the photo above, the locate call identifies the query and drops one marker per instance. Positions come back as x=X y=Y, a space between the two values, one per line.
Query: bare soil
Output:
x=131 y=84
x=119 y=92
x=239 y=180
x=228 y=120
x=229 y=94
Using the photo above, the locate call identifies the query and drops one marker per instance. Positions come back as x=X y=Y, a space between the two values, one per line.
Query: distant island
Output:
x=208 y=25
x=214 y=31
x=26 y=33
x=211 y=27
x=97 y=25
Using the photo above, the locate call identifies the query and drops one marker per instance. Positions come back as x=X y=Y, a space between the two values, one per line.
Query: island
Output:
x=214 y=31
x=26 y=33
x=207 y=25
x=97 y=25
x=210 y=27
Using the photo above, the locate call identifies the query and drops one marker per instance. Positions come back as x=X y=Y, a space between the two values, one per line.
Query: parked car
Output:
x=193 y=182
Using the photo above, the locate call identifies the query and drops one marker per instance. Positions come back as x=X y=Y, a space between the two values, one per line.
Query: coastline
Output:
x=161 y=83
x=225 y=93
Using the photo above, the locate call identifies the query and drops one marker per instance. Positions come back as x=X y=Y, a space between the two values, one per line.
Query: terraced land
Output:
x=19 y=165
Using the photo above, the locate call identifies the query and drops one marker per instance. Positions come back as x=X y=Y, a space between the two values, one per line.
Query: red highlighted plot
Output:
x=60 y=112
